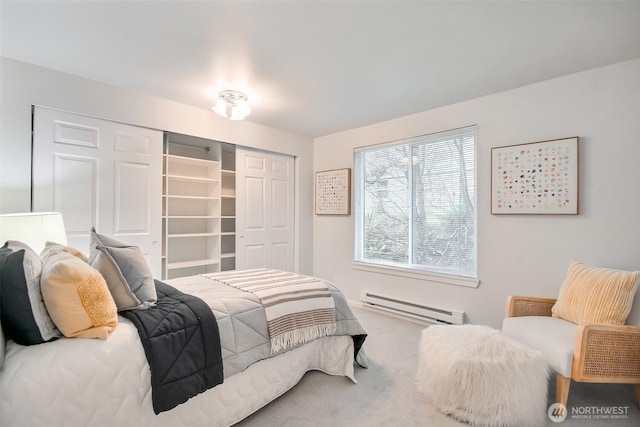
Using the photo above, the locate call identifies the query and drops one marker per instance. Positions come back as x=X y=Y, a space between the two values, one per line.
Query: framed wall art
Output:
x=333 y=192
x=535 y=178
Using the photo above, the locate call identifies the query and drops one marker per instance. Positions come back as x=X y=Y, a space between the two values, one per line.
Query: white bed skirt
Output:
x=107 y=383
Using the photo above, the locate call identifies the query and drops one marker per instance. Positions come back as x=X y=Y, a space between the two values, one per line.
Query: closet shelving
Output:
x=198 y=207
x=228 y=210
x=192 y=216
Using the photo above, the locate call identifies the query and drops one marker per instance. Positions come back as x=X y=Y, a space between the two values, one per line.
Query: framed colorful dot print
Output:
x=333 y=192
x=535 y=178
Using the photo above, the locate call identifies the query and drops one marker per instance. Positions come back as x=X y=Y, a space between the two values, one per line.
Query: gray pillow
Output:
x=2 y=339
x=2 y=346
x=125 y=270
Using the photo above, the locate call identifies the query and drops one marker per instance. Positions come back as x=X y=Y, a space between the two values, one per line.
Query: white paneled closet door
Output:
x=265 y=194
x=100 y=173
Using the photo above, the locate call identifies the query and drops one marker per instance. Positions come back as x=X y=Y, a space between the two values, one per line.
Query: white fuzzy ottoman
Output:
x=478 y=375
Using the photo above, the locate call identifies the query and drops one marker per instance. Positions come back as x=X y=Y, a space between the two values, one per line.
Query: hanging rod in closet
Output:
x=190 y=145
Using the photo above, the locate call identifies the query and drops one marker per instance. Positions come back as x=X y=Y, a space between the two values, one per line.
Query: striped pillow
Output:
x=596 y=295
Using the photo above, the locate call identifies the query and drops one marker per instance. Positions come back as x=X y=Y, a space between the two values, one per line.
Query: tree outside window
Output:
x=415 y=204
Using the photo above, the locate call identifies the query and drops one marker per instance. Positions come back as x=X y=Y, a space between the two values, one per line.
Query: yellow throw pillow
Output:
x=76 y=295
x=596 y=295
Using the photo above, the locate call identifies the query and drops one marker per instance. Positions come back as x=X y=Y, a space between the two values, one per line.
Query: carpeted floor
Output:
x=386 y=394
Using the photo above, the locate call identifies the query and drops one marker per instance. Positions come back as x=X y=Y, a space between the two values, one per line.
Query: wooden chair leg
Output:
x=638 y=394
x=562 y=389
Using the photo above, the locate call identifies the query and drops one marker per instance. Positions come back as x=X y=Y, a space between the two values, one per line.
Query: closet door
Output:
x=264 y=210
x=99 y=173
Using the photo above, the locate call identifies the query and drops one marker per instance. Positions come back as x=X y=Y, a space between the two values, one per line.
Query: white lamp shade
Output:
x=33 y=229
x=220 y=108
x=240 y=110
x=232 y=104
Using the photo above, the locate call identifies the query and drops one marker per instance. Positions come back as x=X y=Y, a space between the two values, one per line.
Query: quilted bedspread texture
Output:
x=98 y=382
x=244 y=336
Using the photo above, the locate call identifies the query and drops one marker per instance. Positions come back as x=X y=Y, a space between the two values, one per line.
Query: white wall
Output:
x=22 y=85
x=517 y=254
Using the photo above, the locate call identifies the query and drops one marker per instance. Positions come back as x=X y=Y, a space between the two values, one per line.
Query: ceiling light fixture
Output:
x=232 y=104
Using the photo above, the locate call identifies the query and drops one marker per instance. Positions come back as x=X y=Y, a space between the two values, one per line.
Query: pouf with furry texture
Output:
x=478 y=375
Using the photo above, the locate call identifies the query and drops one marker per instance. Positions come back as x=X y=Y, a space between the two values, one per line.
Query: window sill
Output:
x=447 y=279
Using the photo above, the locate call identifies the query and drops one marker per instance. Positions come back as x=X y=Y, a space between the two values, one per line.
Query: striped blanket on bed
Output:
x=299 y=308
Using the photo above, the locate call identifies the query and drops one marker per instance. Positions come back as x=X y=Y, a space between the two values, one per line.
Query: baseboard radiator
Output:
x=412 y=310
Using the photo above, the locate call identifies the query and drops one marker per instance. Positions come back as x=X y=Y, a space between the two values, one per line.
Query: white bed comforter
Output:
x=73 y=382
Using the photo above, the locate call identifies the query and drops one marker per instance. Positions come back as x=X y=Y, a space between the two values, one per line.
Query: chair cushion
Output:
x=554 y=338
x=596 y=295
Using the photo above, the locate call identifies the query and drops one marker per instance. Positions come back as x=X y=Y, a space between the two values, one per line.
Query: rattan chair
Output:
x=601 y=353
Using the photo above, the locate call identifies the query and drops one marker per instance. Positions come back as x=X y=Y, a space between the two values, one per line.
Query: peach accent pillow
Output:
x=76 y=295
x=596 y=295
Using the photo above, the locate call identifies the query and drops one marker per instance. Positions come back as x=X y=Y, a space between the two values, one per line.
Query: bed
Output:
x=71 y=381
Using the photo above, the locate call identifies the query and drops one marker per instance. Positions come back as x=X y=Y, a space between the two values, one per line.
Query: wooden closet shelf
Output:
x=192 y=263
x=175 y=196
x=179 y=235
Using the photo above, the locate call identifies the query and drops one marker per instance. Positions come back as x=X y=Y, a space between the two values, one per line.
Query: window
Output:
x=382 y=189
x=415 y=204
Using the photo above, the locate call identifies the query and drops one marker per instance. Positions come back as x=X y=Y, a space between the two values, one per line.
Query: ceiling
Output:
x=319 y=67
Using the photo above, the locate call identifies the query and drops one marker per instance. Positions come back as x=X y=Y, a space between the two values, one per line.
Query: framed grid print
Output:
x=333 y=192
x=535 y=178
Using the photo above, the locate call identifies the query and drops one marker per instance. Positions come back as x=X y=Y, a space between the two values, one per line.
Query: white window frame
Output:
x=407 y=270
